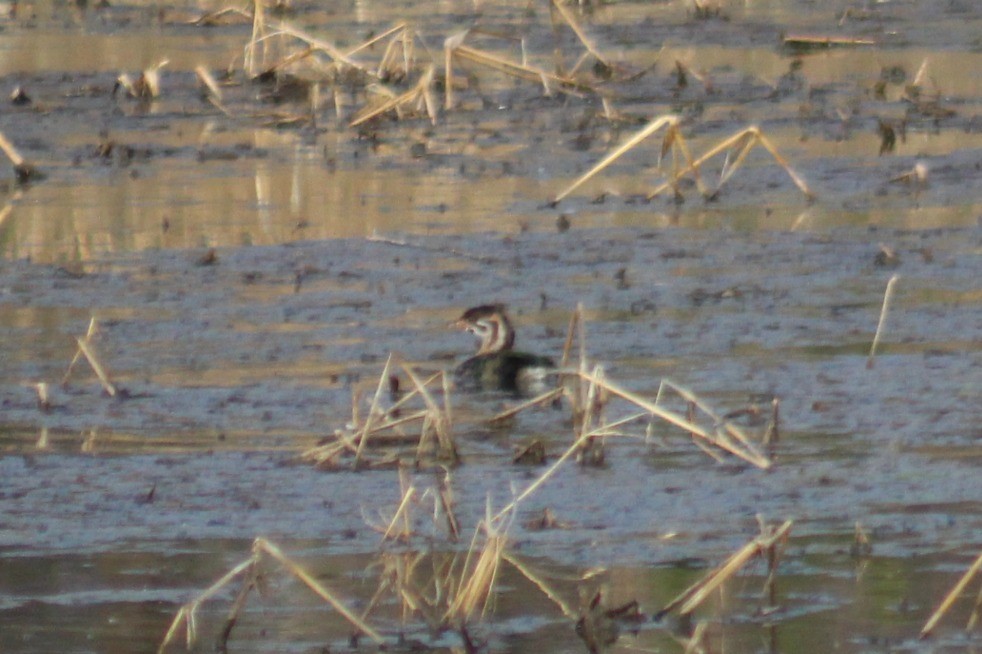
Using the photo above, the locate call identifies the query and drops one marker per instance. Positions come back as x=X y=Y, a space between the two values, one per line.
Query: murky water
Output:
x=113 y=512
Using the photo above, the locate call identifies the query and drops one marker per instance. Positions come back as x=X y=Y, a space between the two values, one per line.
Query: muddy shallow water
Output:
x=334 y=247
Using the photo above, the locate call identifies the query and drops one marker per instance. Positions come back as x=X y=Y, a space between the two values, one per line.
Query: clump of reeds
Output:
x=382 y=438
x=399 y=527
x=402 y=80
x=736 y=148
x=249 y=572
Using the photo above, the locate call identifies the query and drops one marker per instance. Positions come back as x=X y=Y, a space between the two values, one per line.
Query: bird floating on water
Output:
x=497 y=365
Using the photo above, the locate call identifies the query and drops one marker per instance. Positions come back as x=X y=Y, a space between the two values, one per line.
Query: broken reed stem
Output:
x=258 y=35
x=412 y=95
x=440 y=421
x=373 y=410
x=747 y=452
x=375 y=39
x=580 y=34
x=693 y=596
x=648 y=130
x=326 y=47
x=476 y=582
x=522 y=71
x=544 y=398
x=826 y=41
x=951 y=597
x=972 y=619
x=11 y=152
x=261 y=544
x=574 y=322
x=534 y=486
x=798 y=180
x=100 y=372
x=186 y=613
x=248 y=584
x=695 y=643
x=93 y=327
x=756 y=136
x=887 y=296
x=542 y=586
x=401 y=512
x=445 y=493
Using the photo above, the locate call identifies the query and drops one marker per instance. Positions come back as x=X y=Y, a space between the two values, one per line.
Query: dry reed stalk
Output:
x=976 y=611
x=591 y=451
x=450 y=44
x=477 y=581
x=546 y=590
x=249 y=583
x=148 y=84
x=668 y=120
x=375 y=424
x=675 y=141
x=44 y=396
x=398 y=422
x=263 y=545
x=438 y=421
x=544 y=398
x=249 y=59
x=951 y=597
x=798 y=180
x=398 y=578
x=812 y=41
x=419 y=92
x=321 y=45
x=610 y=429
x=403 y=42
x=186 y=615
x=213 y=18
x=696 y=643
x=395 y=29
x=747 y=138
x=887 y=296
x=693 y=596
x=773 y=433
x=214 y=92
x=549 y=472
x=373 y=411
x=12 y=200
x=23 y=169
x=43 y=442
x=574 y=324
x=521 y=71
x=86 y=348
x=446 y=498
x=587 y=42
x=289 y=59
x=744 y=451
x=402 y=513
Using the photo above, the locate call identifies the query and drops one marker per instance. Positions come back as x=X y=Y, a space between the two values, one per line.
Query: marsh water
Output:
x=250 y=267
